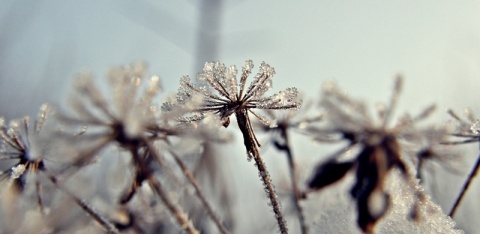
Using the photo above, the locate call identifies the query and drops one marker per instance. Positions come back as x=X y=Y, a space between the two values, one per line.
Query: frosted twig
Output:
x=465 y=186
x=147 y=174
x=252 y=150
x=109 y=227
x=198 y=191
x=239 y=102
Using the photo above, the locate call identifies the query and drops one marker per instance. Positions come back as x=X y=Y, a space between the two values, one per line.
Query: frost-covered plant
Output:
x=134 y=124
x=22 y=143
x=279 y=136
x=380 y=150
x=22 y=152
x=236 y=98
x=153 y=149
x=469 y=130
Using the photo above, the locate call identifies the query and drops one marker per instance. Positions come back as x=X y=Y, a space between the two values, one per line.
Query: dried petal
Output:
x=329 y=173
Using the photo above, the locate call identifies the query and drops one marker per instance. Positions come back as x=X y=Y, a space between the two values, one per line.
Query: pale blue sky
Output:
x=436 y=45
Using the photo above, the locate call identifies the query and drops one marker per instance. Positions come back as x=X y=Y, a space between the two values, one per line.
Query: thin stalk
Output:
x=470 y=177
x=180 y=216
x=419 y=174
x=209 y=168
x=201 y=196
x=110 y=228
x=297 y=195
x=252 y=150
x=39 y=197
x=177 y=212
x=213 y=215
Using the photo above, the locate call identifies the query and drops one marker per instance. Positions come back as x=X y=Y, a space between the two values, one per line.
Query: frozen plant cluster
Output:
x=123 y=157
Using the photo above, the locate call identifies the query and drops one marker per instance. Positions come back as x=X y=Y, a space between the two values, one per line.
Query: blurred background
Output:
x=362 y=46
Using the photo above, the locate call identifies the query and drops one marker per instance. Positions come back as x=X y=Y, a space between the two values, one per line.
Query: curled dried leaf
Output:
x=329 y=173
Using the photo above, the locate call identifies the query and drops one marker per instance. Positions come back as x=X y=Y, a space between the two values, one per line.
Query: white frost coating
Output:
x=262 y=81
x=133 y=126
x=248 y=66
x=266 y=121
x=17 y=171
x=14 y=125
x=154 y=88
x=229 y=98
x=42 y=116
x=231 y=78
x=475 y=128
x=332 y=211
x=431 y=217
x=287 y=98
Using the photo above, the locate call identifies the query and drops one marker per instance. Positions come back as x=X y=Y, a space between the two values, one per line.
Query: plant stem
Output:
x=213 y=215
x=470 y=177
x=180 y=216
x=297 y=195
x=177 y=212
x=270 y=190
x=251 y=146
x=101 y=220
x=419 y=174
x=38 y=187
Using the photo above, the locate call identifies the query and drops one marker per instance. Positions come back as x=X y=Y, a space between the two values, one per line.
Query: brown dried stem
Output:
x=297 y=194
x=470 y=177
x=177 y=212
x=251 y=146
x=180 y=216
x=109 y=227
x=191 y=178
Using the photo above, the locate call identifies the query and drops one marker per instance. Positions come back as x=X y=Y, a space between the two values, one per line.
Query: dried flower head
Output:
x=469 y=130
x=131 y=121
x=236 y=98
x=21 y=143
x=127 y=118
x=379 y=145
x=232 y=97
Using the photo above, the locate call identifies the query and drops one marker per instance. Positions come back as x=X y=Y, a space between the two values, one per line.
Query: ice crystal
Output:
x=17 y=171
x=476 y=127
